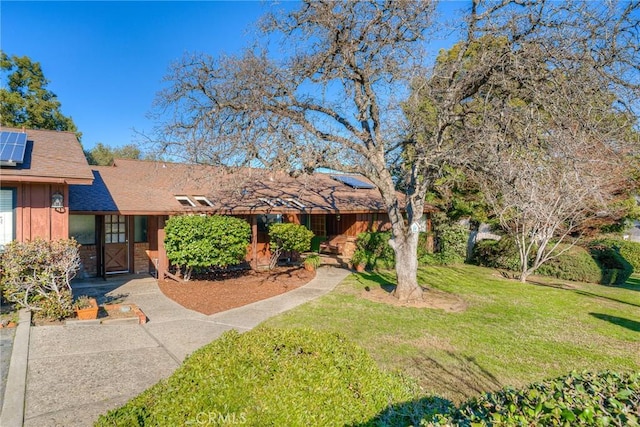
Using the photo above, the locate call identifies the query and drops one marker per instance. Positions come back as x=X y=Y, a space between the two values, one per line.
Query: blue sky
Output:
x=106 y=60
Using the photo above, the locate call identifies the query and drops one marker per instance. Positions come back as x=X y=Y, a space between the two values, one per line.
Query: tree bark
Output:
x=405 y=247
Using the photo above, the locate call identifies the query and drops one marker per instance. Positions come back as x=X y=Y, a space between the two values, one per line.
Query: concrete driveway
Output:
x=77 y=372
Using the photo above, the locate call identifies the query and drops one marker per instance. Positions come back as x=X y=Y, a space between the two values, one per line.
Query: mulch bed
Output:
x=235 y=290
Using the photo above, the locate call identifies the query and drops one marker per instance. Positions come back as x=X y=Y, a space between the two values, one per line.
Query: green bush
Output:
x=630 y=251
x=206 y=241
x=501 y=253
x=599 y=263
x=615 y=268
x=576 y=264
x=37 y=276
x=451 y=243
x=376 y=249
x=288 y=237
x=269 y=377
x=578 y=399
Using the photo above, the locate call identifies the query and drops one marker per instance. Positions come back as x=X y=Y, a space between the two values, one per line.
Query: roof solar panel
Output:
x=12 y=148
x=353 y=182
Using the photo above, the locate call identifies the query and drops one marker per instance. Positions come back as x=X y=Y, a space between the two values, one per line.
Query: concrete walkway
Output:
x=76 y=373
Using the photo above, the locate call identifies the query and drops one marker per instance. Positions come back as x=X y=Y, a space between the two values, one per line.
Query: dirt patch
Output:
x=432 y=298
x=214 y=296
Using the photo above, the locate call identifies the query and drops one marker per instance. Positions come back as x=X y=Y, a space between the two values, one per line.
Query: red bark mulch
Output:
x=236 y=290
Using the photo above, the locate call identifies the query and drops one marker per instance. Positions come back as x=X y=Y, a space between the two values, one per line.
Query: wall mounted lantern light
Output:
x=57 y=200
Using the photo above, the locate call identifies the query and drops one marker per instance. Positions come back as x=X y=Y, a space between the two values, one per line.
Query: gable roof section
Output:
x=50 y=156
x=134 y=187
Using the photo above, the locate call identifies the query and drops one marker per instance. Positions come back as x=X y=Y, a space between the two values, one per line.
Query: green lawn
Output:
x=510 y=333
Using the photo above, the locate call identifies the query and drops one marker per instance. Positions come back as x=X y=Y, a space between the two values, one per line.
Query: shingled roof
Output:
x=134 y=187
x=50 y=156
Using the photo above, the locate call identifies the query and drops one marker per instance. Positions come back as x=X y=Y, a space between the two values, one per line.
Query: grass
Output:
x=510 y=334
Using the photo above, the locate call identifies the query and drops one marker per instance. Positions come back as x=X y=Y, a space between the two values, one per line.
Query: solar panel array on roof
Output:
x=12 y=148
x=353 y=182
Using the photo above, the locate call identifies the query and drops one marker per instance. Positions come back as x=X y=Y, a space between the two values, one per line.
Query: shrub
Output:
x=312 y=261
x=359 y=257
x=206 y=241
x=578 y=399
x=501 y=253
x=451 y=243
x=576 y=264
x=630 y=251
x=615 y=269
x=375 y=246
x=288 y=237
x=37 y=276
x=276 y=377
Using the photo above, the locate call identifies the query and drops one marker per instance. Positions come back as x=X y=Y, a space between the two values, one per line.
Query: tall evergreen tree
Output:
x=25 y=99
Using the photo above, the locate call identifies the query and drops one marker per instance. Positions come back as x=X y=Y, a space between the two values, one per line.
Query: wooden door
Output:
x=116 y=244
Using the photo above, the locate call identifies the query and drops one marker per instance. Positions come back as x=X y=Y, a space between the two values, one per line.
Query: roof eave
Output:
x=46 y=179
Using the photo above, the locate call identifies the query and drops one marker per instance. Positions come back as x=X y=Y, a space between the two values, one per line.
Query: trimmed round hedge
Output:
x=578 y=399
x=269 y=377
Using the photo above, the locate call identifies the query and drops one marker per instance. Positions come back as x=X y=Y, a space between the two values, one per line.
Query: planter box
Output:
x=88 y=313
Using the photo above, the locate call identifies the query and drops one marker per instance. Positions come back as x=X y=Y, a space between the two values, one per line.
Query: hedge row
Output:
x=602 y=261
x=578 y=399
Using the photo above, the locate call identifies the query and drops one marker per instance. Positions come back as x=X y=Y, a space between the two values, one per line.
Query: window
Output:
x=267 y=219
x=115 y=229
x=140 y=227
x=83 y=229
x=7 y=216
x=319 y=225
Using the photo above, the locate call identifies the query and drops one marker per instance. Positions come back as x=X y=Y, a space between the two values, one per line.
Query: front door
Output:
x=116 y=244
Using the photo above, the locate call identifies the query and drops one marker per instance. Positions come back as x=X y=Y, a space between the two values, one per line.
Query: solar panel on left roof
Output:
x=13 y=146
x=353 y=182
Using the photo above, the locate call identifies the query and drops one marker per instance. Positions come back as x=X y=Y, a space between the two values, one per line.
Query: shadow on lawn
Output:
x=590 y=294
x=410 y=413
x=459 y=380
x=620 y=321
x=632 y=284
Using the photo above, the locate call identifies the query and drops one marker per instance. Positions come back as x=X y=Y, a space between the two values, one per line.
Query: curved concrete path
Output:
x=77 y=372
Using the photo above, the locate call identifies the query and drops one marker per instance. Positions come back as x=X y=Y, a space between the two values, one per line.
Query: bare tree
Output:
x=544 y=195
x=346 y=93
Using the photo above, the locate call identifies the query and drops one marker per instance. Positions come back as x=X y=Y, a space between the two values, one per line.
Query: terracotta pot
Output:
x=360 y=268
x=88 y=313
x=309 y=267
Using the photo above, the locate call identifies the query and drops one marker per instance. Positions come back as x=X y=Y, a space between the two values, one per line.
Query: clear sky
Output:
x=106 y=60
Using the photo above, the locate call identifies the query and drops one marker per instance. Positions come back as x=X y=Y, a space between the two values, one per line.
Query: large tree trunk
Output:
x=405 y=247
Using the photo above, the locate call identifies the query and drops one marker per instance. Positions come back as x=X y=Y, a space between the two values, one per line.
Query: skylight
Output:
x=203 y=201
x=185 y=201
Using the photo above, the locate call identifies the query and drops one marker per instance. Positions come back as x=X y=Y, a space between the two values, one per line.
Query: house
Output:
x=36 y=169
x=117 y=213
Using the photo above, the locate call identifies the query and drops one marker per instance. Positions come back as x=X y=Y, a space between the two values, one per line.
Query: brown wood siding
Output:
x=354 y=224
x=34 y=216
